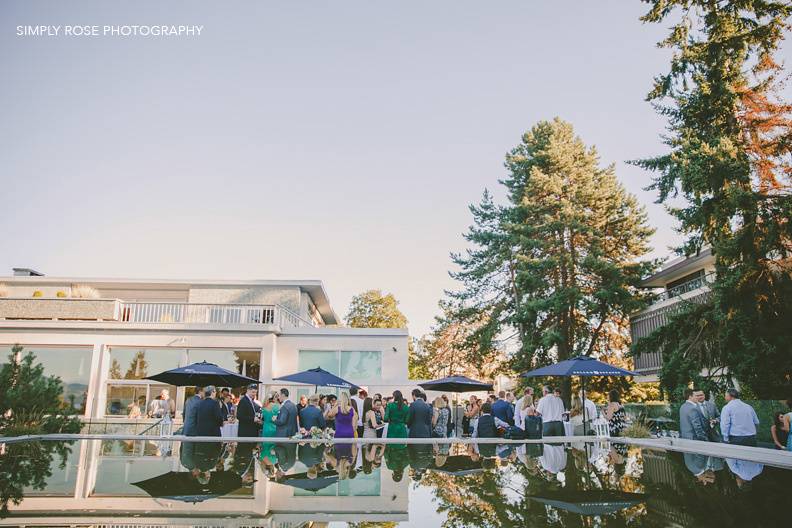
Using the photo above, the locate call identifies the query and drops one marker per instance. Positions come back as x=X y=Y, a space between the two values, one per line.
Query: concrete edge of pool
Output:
x=770 y=457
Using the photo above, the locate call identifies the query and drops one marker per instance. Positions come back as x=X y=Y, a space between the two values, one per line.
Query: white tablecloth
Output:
x=231 y=429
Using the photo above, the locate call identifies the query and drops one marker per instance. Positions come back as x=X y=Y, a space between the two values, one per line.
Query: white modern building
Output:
x=102 y=337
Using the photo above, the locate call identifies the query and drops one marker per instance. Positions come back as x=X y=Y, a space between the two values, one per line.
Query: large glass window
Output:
x=352 y=365
x=134 y=400
x=245 y=362
x=361 y=365
x=137 y=363
x=71 y=364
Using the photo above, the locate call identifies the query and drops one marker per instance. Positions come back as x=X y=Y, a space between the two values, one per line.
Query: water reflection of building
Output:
x=97 y=486
x=102 y=348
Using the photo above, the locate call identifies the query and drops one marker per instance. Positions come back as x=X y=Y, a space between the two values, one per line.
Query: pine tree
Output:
x=115 y=370
x=560 y=262
x=138 y=367
x=30 y=402
x=730 y=140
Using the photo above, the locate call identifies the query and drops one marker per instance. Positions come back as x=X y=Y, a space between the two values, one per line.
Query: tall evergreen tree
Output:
x=730 y=140
x=560 y=262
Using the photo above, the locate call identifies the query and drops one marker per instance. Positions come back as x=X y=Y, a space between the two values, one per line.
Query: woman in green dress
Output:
x=396 y=416
x=268 y=428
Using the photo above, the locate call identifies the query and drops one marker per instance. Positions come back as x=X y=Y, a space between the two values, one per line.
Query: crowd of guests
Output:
x=540 y=417
x=736 y=423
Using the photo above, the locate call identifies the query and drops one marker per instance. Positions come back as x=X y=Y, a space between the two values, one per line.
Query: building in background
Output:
x=682 y=279
x=102 y=337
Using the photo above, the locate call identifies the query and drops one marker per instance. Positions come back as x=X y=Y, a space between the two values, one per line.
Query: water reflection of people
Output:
x=744 y=470
x=554 y=458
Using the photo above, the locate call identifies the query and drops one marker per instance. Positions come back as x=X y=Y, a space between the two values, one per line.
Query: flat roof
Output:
x=678 y=267
x=314 y=288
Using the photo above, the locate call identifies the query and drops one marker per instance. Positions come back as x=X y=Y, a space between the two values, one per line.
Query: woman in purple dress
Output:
x=345 y=417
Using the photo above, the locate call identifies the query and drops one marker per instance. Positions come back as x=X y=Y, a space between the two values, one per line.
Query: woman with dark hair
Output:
x=777 y=432
x=396 y=416
x=369 y=422
x=787 y=425
x=615 y=414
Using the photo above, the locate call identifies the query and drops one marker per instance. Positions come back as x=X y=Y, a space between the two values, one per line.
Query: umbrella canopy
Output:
x=590 y=503
x=302 y=481
x=579 y=366
x=183 y=486
x=456 y=384
x=202 y=374
x=318 y=377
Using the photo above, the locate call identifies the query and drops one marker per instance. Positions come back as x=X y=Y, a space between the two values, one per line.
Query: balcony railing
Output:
x=689 y=286
x=247 y=314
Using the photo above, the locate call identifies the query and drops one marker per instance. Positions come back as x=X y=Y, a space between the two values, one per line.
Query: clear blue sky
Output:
x=334 y=140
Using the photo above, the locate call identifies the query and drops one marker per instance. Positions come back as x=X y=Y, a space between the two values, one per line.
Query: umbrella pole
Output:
x=583 y=390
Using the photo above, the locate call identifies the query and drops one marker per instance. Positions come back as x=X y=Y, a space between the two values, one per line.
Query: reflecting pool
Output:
x=157 y=483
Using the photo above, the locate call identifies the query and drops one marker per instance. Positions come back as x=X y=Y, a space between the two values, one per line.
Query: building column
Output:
x=269 y=347
x=95 y=381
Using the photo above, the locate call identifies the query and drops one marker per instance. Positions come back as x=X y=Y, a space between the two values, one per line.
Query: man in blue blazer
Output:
x=311 y=415
x=503 y=410
x=191 y=413
x=210 y=419
x=286 y=421
x=419 y=416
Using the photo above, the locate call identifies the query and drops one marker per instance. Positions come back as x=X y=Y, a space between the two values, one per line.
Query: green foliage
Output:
x=558 y=265
x=30 y=402
x=26 y=465
x=372 y=309
x=38 y=293
x=726 y=178
x=60 y=294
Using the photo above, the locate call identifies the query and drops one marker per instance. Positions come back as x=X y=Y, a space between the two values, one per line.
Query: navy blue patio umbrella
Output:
x=456 y=384
x=590 y=503
x=185 y=487
x=318 y=377
x=315 y=484
x=583 y=366
x=202 y=374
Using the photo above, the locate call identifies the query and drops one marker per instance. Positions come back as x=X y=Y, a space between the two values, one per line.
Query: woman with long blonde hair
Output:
x=345 y=417
x=527 y=409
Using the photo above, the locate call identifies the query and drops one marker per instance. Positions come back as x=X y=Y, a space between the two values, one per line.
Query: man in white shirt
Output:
x=551 y=407
x=589 y=410
x=357 y=403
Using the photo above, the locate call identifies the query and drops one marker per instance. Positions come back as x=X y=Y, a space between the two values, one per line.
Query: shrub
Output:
x=38 y=293
x=60 y=294
x=83 y=291
x=636 y=430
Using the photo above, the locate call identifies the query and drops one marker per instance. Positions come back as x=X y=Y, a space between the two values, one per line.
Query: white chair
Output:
x=601 y=428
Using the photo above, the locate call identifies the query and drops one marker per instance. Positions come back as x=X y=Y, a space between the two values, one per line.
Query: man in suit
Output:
x=419 y=416
x=502 y=409
x=248 y=413
x=311 y=415
x=210 y=419
x=286 y=421
x=225 y=400
x=692 y=424
x=711 y=413
x=485 y=428
x=191 y=413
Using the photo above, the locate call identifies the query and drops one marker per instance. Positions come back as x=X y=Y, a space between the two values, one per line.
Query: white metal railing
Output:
x=164 y=312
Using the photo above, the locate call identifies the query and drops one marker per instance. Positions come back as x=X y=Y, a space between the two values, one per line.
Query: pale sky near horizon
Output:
x=340 y=141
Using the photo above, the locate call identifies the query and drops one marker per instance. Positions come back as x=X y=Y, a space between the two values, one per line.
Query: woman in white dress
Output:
x=527 y=409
